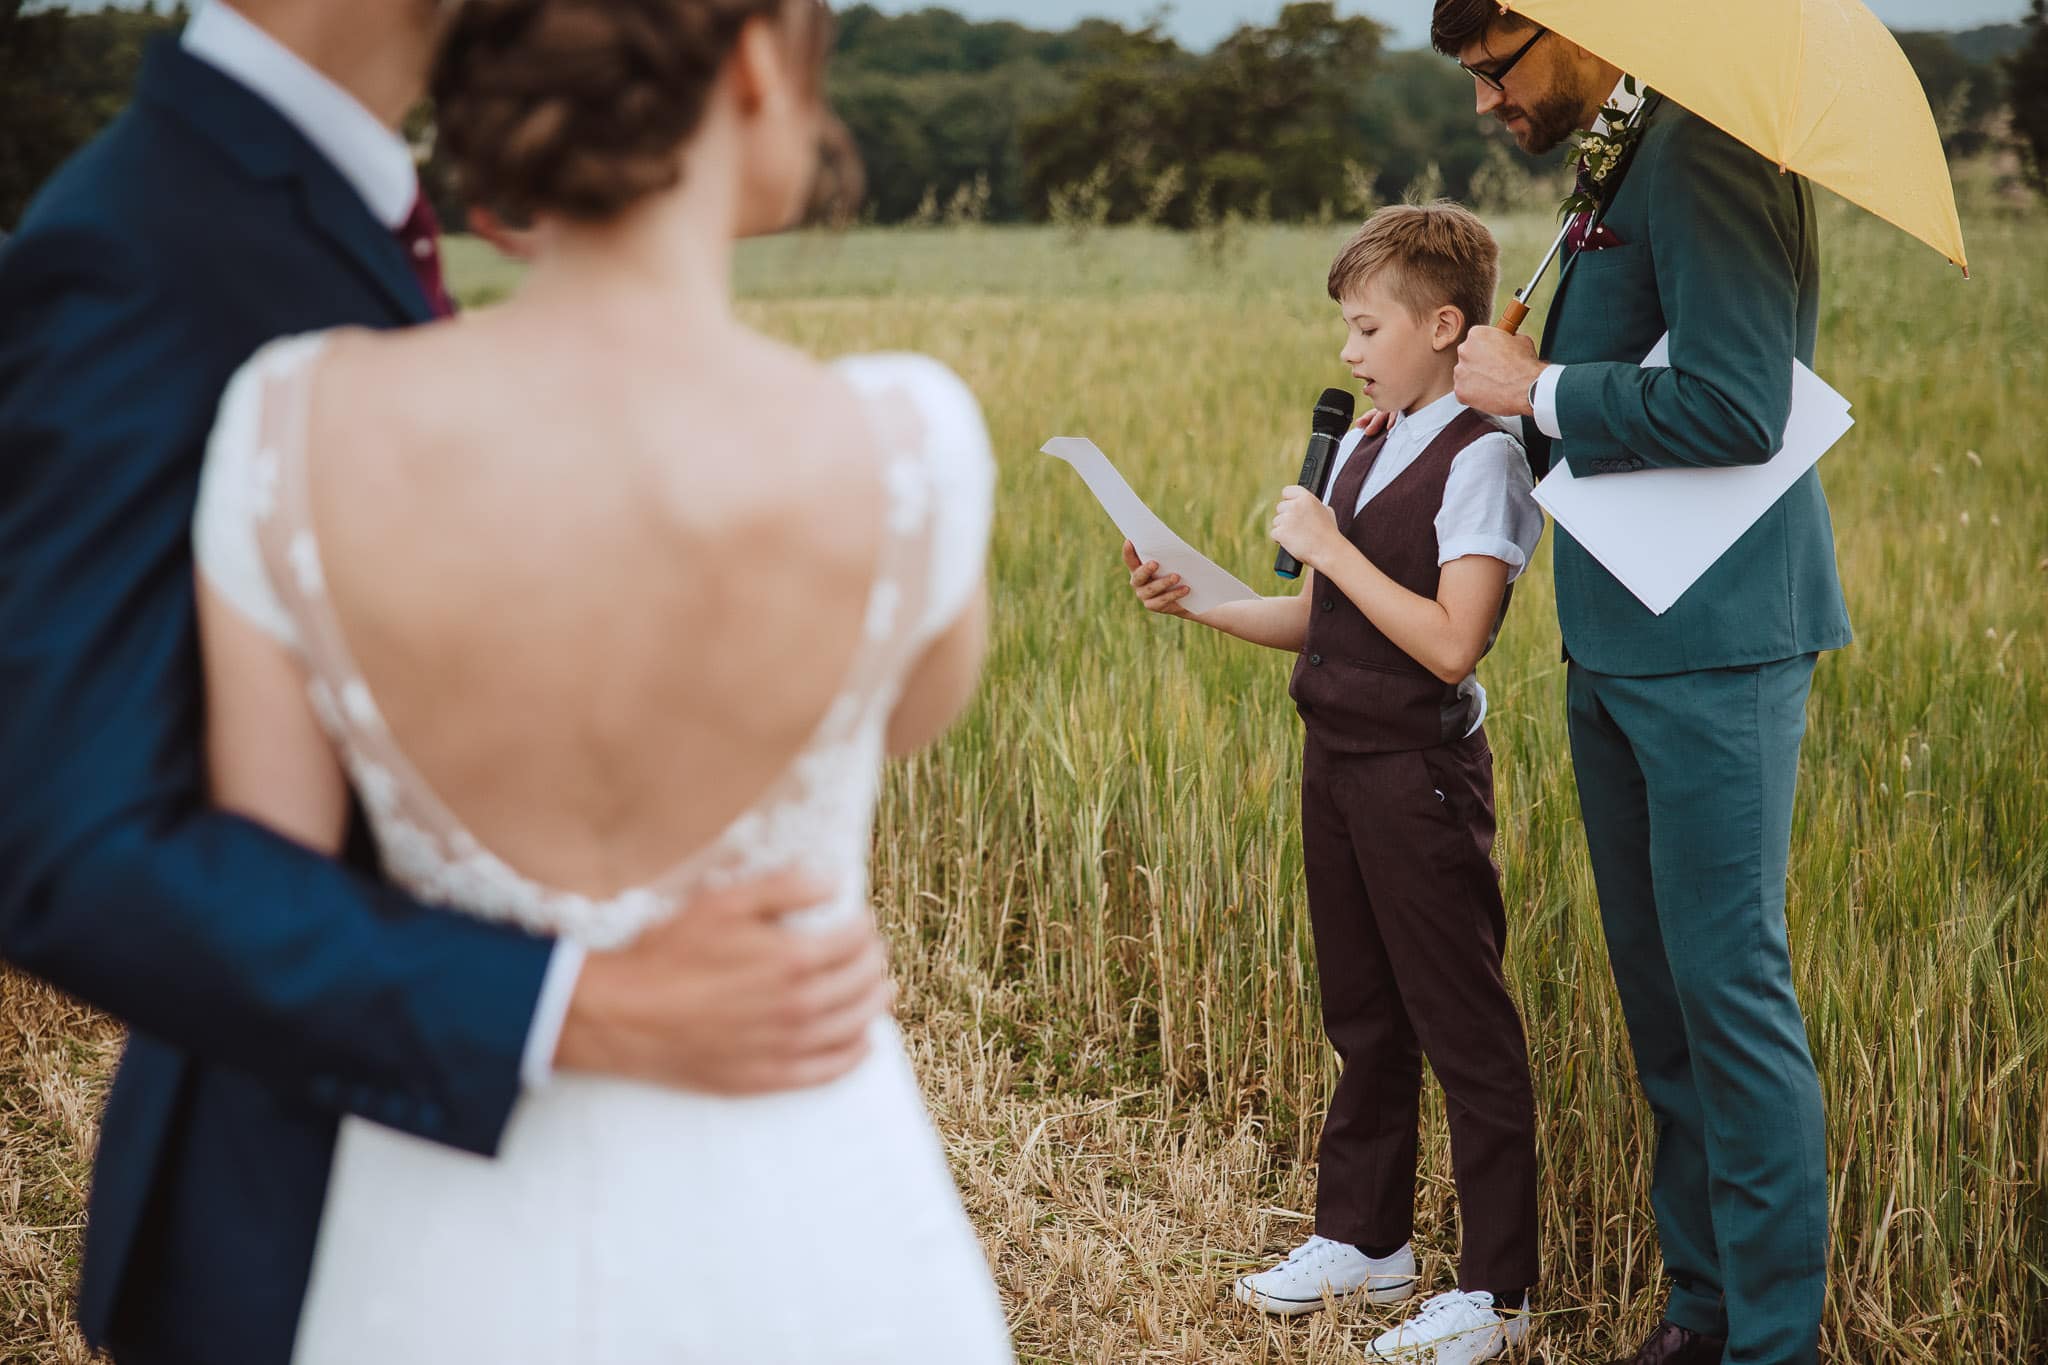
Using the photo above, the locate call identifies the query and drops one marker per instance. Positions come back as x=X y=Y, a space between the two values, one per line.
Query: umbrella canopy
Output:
x=1818 y=86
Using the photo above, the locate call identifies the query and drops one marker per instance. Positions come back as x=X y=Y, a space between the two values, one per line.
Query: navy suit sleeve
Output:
x=118 y=881
x=1726 y=236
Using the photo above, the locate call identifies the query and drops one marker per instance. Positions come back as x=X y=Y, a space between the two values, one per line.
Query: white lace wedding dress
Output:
x=621 y=1223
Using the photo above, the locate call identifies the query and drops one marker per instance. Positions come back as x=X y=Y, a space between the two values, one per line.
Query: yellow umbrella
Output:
x=1818 y=86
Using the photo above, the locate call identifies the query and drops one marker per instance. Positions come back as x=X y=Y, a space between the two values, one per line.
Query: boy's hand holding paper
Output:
x=1208 y=585
x=1157 y=591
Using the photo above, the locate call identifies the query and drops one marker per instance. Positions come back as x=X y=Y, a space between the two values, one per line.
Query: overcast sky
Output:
x=1199 y=23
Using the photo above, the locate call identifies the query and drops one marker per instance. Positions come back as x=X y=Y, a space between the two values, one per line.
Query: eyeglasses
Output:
x=1500 y=73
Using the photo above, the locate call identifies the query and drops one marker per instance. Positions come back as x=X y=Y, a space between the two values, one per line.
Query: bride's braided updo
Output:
x=581 y=107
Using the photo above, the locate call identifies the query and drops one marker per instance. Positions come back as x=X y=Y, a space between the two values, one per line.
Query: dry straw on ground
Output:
x=1094 y=884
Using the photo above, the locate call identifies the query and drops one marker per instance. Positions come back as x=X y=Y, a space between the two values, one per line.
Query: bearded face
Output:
x=1546 y=95
x=1544 y=123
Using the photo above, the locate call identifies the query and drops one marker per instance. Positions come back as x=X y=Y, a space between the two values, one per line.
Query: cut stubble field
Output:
x=1093 y=885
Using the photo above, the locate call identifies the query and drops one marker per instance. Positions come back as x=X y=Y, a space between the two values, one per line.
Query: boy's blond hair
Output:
x=1432 y=255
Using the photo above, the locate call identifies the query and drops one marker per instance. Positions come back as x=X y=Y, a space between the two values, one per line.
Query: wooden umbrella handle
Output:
x=1511 y=320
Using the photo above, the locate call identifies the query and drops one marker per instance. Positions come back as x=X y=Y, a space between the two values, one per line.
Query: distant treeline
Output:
x=997 y=121
x=1309 y=113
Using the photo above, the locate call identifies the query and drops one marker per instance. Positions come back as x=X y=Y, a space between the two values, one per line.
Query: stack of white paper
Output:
x=1659 y=530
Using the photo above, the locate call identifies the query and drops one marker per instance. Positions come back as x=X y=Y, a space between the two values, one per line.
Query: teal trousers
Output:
x=1686 y=784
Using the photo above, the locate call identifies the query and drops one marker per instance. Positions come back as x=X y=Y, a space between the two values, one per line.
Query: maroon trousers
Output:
x=1409 y=929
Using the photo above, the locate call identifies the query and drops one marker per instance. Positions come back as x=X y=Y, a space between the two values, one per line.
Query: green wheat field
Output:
x=1094 y=883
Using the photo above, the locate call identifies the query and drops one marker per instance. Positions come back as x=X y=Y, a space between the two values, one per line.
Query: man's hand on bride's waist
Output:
x=726 y=997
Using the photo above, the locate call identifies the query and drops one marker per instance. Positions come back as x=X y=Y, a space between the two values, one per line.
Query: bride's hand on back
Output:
x=725 y=997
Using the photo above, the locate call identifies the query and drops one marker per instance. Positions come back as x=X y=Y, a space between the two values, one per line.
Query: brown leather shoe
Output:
x=1671 y=1344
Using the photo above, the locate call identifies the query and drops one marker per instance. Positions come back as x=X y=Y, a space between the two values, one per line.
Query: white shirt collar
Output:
x=1621 y=99
x=369 y=155
x=1421 y=427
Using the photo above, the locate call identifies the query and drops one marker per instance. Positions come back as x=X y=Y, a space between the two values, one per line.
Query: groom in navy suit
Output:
x=256 y=189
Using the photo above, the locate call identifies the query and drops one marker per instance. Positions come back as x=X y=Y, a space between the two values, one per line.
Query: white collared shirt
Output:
x=1488 y=508
x=378 y=164
x=1544 y=399
x=1623 y=99
x=370 y=156
x=1489 y=505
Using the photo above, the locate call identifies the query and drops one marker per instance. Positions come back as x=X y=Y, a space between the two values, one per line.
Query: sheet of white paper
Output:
x=1659 y=530
x=1211 y=586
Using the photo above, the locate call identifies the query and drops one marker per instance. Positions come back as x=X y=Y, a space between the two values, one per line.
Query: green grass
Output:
x=1110 y=837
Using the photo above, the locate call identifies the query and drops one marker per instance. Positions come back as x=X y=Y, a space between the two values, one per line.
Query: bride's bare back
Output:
x=602 y=596
x=601 y=591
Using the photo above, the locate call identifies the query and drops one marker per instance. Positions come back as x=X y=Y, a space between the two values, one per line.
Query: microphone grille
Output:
x=1333 y=411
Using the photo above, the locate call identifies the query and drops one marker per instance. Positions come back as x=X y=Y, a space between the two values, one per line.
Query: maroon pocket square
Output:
x=1602 y=237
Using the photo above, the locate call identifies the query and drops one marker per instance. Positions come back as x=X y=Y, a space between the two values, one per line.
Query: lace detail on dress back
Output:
x=816 y=812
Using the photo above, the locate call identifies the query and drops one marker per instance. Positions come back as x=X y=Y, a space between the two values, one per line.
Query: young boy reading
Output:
x=1406 y=579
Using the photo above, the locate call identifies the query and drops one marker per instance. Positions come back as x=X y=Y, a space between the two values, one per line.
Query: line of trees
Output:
x=1282 y=120
x=1308 y=116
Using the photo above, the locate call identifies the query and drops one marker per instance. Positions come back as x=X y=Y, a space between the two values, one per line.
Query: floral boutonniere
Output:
x=1599 y=155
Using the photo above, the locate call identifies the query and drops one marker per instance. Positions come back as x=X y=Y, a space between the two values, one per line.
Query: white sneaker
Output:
x=1456 y=1329
x=1297 y=1284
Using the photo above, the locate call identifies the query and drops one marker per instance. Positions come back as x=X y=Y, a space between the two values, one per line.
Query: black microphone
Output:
x=1332 y=419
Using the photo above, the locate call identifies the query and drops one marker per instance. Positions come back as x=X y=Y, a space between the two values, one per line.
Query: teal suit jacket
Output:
x=1719 y=248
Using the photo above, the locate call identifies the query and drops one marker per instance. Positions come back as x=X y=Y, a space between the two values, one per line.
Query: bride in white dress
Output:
x=597 y=600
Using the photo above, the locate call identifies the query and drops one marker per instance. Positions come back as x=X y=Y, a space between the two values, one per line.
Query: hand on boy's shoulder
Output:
x=1375 y=422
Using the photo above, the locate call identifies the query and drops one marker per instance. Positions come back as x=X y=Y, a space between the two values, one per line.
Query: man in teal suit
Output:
x=1686 y=727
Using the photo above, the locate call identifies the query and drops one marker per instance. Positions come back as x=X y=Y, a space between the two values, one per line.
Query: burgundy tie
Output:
x=420 y=237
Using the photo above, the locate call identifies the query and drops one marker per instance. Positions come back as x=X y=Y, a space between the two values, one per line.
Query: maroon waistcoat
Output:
x=1356 y=690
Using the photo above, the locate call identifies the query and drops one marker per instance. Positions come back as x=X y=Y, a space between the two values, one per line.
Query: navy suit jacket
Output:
x=268 y=990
